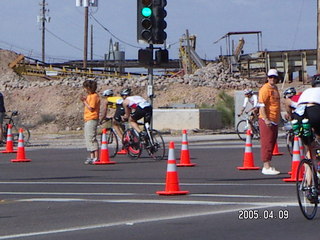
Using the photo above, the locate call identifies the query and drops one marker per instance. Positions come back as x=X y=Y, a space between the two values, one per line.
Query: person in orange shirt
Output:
x=269 y=117
x=91 y=104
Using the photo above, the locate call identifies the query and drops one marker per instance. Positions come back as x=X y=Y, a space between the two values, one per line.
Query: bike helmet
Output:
x=289 y=92
x=125 y=92
x=315 y=80
x=248 y=91
x=107 y=93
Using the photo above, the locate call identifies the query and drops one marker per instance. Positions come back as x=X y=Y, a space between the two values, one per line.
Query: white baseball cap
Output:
x=273 y=72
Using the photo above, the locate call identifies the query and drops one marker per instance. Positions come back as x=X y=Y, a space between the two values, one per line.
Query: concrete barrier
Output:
x=178 y=119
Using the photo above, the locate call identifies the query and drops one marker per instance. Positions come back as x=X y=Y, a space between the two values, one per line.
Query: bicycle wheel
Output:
x=132 y=143
x=113 y=144
x=289 y=141
x=256 y=132
x=155 y=146
x=15 y=134
x=241 y=129
x=307 y=188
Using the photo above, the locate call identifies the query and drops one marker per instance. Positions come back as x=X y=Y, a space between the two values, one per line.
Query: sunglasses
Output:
x=275 y=77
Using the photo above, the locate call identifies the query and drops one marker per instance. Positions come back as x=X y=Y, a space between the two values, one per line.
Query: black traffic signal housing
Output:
x=162 y=56
x=144 y=21
x=145 y=56
x=159 y=23
x=150 y=21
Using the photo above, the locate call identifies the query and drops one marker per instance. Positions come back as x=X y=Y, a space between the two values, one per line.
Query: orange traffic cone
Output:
x=104 y=151
x=172 y=181
x=122 y=152
x=185 y=153
x=276 y=150
x=21 y=155
x=295 y=161
x=248 y=159
x=9 y=143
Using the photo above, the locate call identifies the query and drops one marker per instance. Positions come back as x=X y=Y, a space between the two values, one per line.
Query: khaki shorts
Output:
x=90 y=134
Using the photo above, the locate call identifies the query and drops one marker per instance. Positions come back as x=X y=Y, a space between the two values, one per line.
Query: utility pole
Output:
x=85 y=47
x=318 y=37
x=86 y=4
x=91 y=43
x=42 y=18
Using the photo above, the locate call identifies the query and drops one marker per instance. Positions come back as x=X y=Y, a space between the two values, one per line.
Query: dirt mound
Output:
x=56 y=107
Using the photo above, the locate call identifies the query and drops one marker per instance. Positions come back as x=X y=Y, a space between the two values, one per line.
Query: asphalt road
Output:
x=56 y=196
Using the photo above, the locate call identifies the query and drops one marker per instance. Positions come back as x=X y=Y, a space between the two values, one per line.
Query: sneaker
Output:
x=94 y=160
x=88 y=161
x=270 y=171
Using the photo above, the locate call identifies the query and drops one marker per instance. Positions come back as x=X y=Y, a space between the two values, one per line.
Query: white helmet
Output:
x=248 y=91
x=107 y=93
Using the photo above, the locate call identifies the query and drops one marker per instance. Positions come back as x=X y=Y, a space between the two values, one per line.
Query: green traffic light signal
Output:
x=146 y=12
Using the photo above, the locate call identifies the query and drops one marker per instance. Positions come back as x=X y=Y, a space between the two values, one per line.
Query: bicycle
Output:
x=112 y=137
x=11 y=118
x=289 y=136
x=307 y=184
x=245 y=124
x=151 y=140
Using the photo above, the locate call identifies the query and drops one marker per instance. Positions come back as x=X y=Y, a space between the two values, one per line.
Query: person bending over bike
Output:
x=136 y=107
x=113 y=102
x=309 y=108
x=290 y=101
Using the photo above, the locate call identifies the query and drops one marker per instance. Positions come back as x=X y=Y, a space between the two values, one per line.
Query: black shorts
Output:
x=119 y=112
x=145 y=113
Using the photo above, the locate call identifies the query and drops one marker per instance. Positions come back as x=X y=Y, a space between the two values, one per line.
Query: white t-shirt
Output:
x=310 y=95
x=135 y=101
x=253 y=100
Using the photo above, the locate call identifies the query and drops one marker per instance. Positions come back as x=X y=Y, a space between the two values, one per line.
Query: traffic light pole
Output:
x=150 y=81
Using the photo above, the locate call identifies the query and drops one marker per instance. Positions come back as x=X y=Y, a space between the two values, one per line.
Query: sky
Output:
x=285 y=25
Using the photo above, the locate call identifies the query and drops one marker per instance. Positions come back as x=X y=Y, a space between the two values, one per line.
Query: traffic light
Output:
x=144 y=21
x=159 y=24
x=162 y=56
x=150 y=21
x=145 y=56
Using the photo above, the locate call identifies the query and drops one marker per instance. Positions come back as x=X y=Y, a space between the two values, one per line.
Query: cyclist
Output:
x=309 y=108
x=290 y=101
x=251 y=98
x=136 y=107
x=113 y=102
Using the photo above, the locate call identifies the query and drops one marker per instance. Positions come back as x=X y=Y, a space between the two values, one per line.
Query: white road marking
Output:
x=137 y=221
x=144 y=183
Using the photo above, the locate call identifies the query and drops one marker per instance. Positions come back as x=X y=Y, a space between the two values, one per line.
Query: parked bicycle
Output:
x=152 y=142
x=245 y=124
x=11 y=118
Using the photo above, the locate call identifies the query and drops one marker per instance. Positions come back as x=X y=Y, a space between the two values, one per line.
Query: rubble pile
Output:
x=214 y=75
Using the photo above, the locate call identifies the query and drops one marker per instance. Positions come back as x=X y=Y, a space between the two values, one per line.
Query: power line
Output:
x=69 y=44
x=106 y=29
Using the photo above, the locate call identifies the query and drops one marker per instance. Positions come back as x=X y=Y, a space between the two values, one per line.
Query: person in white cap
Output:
x=269 y=117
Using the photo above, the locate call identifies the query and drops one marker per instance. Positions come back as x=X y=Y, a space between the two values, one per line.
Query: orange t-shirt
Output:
x=93 y=101
x=269 y=97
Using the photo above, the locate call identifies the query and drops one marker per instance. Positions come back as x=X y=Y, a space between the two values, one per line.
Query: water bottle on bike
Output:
x=295 y=127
